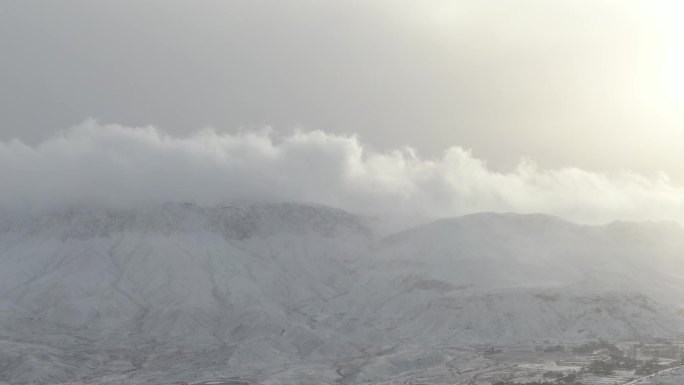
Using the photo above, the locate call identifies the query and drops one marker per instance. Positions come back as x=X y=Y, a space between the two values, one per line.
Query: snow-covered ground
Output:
x=291 y=293
x=673 y=377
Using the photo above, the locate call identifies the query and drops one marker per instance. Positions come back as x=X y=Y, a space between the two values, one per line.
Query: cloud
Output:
x=111 y=165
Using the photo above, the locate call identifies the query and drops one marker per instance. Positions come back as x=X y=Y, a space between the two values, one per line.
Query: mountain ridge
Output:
x=256 y=289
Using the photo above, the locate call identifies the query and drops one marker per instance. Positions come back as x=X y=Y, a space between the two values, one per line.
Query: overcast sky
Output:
x=590 y=85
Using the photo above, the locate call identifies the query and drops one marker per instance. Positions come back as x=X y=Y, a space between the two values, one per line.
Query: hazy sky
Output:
x=592 y=85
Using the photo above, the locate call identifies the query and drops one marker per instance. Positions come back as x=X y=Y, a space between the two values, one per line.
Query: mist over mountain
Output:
x=343 y=192
x=290 y=293
x=109 y=165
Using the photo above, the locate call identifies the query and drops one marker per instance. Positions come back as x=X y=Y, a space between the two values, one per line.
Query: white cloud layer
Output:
x=112 y=165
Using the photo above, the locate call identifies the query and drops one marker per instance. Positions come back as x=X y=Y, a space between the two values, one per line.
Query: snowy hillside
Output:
x=180 y=292
x=490 y=277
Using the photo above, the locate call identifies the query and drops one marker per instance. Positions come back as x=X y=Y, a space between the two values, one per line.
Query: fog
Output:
x=113 y=165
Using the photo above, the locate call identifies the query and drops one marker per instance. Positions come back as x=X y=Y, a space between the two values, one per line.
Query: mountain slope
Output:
x=179 y=291
x=496 y=278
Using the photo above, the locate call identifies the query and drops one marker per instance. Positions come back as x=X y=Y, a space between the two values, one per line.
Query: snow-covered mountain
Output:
x=276 y=292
